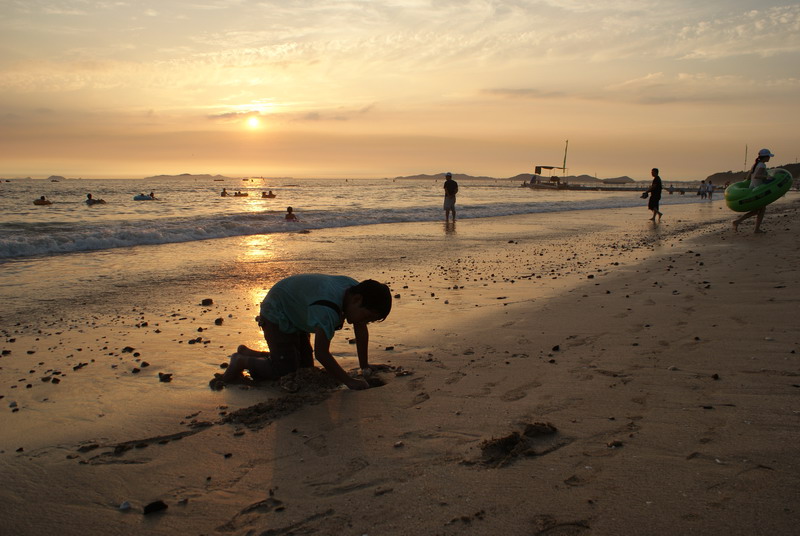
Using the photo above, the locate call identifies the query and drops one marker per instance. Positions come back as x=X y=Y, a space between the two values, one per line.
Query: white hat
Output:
x=765 y=152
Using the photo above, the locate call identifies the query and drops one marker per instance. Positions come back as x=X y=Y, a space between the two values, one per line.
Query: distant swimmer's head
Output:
x=765 y=152
x=449 y=175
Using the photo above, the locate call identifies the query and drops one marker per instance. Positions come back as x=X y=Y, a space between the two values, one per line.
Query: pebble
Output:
x=125 y=506
x=155 y=506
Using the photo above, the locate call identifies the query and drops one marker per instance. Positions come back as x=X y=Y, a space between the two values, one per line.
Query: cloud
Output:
x=763 y=33
x=522 y=93
x=339 y=115
x=232 y=117
x=658 y=88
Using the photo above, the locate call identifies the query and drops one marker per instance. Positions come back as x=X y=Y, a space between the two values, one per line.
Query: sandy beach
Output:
x=584 y=372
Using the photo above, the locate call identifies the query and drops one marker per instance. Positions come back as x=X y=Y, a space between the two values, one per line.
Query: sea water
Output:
x=69 y=250
x=191 y=209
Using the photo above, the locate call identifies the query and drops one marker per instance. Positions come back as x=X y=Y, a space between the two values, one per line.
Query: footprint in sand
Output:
x=519 y=392
x=454 y=378
x=416 y=384
x=549 y=525
x=420 y=398
x=318 y=444
x=251 y=514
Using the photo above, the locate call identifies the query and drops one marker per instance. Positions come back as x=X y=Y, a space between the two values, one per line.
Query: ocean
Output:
x=189 y=210
x=69 y=251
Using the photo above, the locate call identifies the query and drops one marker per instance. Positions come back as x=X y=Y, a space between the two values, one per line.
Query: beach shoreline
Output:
x=604 y=327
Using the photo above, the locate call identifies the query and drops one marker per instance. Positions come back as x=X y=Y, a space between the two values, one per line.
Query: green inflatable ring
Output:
x=740 y=198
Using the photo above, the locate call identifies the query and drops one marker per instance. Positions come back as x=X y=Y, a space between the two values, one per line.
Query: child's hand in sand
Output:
x=372 y=369
x=357 y=385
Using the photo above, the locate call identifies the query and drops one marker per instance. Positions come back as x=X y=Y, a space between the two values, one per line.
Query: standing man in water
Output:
x=450 y=191
x=655 y=195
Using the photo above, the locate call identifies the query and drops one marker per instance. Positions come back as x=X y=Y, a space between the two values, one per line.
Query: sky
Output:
x=385 y=88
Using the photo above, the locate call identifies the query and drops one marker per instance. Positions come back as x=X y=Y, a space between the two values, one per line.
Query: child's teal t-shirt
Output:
x=289 y=303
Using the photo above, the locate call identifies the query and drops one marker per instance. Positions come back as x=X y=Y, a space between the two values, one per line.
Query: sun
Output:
x=253 y=122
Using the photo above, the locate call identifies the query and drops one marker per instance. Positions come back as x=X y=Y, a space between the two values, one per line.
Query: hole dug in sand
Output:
x=306 y=387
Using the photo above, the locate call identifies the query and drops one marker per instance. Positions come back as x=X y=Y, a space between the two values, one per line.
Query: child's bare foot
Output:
x=216 y=383
x=235 y=371
x=735 y=226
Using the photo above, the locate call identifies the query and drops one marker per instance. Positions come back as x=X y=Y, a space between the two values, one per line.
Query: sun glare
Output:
x=253 y=122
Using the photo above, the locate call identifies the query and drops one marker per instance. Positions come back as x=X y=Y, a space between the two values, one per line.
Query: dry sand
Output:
x=554 y=374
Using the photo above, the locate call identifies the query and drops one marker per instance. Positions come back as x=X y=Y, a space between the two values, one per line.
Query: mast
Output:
x=745 y=156
x=564 y=165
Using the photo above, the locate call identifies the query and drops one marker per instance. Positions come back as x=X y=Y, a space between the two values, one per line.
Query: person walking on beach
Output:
x=655 y=195
x=701 y=191
x=304 y=304
x=758 y=176
x=710 y=190
x=450 y=191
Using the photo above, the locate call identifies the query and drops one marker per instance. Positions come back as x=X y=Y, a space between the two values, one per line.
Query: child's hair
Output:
x=374 y=296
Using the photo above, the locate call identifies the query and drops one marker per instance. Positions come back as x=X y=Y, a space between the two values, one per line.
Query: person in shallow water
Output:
x=92 y=201
x=450 y=191
x=304 y=304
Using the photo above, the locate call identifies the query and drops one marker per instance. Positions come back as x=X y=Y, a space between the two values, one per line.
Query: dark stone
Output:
x=155 y=506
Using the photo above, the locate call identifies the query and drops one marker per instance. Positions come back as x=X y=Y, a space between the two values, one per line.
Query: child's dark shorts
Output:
x=288 y=351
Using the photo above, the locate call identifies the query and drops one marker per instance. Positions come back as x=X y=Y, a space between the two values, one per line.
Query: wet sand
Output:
x=549 y=374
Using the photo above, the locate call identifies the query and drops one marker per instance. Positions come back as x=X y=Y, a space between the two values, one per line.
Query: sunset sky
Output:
x=312 y=88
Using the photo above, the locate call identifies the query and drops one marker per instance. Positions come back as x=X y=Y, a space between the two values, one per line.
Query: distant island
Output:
x=719 y=178
x=522 y=177
x=187 y=176
x=738 y=176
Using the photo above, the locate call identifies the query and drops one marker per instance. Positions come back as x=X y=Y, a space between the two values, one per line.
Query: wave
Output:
x=19 y=240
